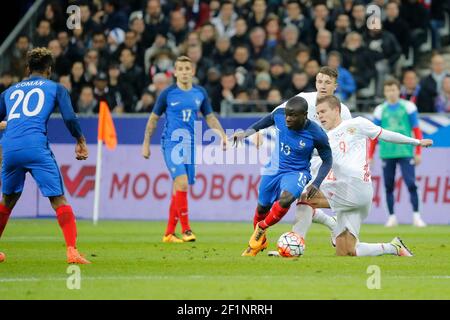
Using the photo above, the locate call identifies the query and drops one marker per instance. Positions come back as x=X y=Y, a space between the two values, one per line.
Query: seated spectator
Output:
x=114 y=16
x=241 y=36
x=358 y=60
x=289 y=46
x=410 y=86
x=241 y=102
x=146 y=103
x=132 y=78
x=295 y=16
x=64 y=80
x=281 y=78
x=263 y=83
x=156 y=22
x=302 y=56
x=160 y=82
x=197 y=13
x=86 y=103
x=341 y=29
x=208 y=35
x=312 y=68
x=322 y=19
x=61 y=65
x=43 y=34
x=443 y=100
x=359 y=23
x=416 y=16
x=19 y=55
x=226 y=92
x=298 y=84
x=6 y=80
x=397 y=26
x=161 y=62
x=258 y=14
x=200 y=63
x=102 y=92
x=431 y=85
x=258 y=45
x=161 y=44
x=54 y=15
x=346 y=85
x=222 y=53
x=273 y=98
x=272 y=27
x=116 y=38
x=91 y=64
x=115 y=87
x=225 y=21
x=178 y=30
x=322 y=46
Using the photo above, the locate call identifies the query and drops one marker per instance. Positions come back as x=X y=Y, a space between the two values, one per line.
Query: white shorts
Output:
x=351 y=201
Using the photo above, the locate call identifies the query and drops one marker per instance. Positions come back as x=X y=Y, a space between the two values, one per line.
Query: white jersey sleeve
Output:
x=345 y=112
x=367 y=128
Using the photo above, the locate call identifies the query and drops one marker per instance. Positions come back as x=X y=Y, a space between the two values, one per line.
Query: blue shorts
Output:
x=180 y=160
x=40 y=163
x=271 y=186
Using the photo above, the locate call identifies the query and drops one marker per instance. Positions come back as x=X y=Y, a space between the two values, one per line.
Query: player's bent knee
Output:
x=58 y=201
x=262 y=209
x=286 y=199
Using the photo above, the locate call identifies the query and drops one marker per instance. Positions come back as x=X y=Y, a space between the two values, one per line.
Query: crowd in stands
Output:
x=243 y=50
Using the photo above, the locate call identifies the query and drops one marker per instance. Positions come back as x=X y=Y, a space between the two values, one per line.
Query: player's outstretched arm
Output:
x=323 y=148
x=265 y=122
x=149 y=130
x=213 y=123
x=395 y=137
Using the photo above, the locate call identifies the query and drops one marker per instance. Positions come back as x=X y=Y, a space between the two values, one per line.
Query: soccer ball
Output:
x=291 y=244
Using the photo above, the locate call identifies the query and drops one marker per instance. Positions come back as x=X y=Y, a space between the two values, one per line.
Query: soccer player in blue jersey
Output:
x=288 y=172
x=181 y=103
x=27 y=106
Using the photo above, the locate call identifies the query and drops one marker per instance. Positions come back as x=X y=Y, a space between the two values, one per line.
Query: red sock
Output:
x=258 y=217
x=66 y=220
x=181 y=204
x=276 y=214
x=173 y=217
x=5 y=212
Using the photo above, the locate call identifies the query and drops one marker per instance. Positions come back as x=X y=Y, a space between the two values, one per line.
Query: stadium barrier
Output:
x=135 y=188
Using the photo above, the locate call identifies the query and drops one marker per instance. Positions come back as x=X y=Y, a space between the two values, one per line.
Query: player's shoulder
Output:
x=410 y=106
x=377 y=112
x=170 y=88
x=308 y=95
x=315 y=128
x=279 y=110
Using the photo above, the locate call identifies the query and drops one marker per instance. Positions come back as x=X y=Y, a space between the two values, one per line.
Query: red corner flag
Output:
x=106 y=129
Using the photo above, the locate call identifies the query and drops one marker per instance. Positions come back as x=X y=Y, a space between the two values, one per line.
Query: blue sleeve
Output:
x=377 y=121
x=413 y=119
x=66 y=109
x=323 y=148
x=161 y=103
x=2 y=106
x=205 y=108
x=265 y=122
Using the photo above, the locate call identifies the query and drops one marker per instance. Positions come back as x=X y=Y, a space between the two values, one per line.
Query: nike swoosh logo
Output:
x=174 y=103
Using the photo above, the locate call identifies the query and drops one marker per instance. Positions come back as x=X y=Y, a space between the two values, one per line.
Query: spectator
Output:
x=287 y=49
x=299 y=83
x=222 y=53
x=346 y=85
x=6 y=80
x=19 y=54
x=273 y=98
x=160 y=82
x=178 y=30
x=312 y=69
x=341 y=29
x=410 y=86
x=358 y=60
x=114 y=16
x=132 y=78
x=208 y=37
x=295 y=16
x=86 y=103
x=280 y=77
x=54 y=15
x=197 y=13
x=163 y=62
x=225 y=21
x=322 y=19
x=137 y=25
x=88 y=24
x=69 y=50
x=386 y=52
x=443 y=100
x=397 y=26
x=302 y=56
x=212 y=80
x=77 y=79
x=272 y=27
x=322 y=46
x=130 y=42
x=241 y=36
x=61 y=65
x=241 y=102
x=43 y=34
x=115 y=87
x=437 y=21
x=226 y=92
x=102 y=92
x=146 y=102
x=200 y=63
x=91 y=64
x=106 y=49
x=161 y=44
x=258 y=15
x=263 y=84
x=417 y=18
x=359 y=23
x=64 y=80
x=258 y=44
x=155 y=22
x=431 y=85
x=243 y=66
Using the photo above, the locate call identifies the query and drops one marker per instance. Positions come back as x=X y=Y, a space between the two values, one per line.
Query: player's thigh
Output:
x=269 y=189
x=295 y=182
x=13 y=173
x=45 y=171
x=408 y=170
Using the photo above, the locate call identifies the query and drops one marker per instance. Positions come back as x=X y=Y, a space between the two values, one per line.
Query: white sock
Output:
x=374 y=249
x=416 y=214
x=322 y=218
x=303 y=219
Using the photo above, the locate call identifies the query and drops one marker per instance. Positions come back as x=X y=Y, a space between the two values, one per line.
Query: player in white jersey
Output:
x=326 y=84
x=348 y=189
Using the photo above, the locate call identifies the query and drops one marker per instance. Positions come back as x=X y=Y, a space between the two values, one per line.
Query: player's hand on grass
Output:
x=311 y=191
x=146 y=150
x=426 y=143
x=81 y=150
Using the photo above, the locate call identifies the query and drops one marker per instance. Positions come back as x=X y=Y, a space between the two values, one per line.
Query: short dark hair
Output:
x=392 y=82
x=332 y=101
x=331 y=72
x=39 y=59
x=183 y=59
x=298 y=102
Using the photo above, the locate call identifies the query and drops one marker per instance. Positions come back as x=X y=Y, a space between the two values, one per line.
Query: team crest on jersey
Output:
x=351 y=130
x=302 y=144
x=198 y=102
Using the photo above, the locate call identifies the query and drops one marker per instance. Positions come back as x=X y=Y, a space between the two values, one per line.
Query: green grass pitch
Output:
x=130 y=262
